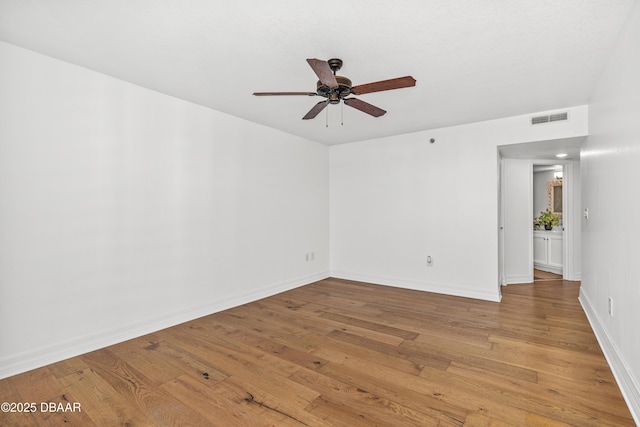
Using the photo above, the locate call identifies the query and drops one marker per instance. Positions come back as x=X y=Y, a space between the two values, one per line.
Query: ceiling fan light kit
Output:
x=337 y=88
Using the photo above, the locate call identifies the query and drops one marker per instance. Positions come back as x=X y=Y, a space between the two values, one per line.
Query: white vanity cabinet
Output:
x=547 y=251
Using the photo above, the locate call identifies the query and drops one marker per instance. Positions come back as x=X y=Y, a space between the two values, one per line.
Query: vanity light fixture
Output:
x=561 y=155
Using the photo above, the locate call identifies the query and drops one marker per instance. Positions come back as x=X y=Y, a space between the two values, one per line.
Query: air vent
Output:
x=540 y=119
x=558 y=117
x=550 y=118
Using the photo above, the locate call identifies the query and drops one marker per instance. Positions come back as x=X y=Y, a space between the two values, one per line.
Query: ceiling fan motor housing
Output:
x=335 y=95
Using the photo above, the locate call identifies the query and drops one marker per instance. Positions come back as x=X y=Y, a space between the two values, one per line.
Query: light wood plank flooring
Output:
x=341 y=353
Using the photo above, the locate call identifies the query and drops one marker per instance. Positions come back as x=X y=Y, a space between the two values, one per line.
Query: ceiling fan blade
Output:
x=365 y=107
x=323 y=71
x=397 y=83
x=284 y=93
x=316 y=110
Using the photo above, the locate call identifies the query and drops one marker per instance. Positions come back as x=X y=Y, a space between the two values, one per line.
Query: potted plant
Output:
x=547 y=219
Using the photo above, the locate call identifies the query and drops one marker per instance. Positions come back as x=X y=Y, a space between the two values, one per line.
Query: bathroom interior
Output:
x=548 y=227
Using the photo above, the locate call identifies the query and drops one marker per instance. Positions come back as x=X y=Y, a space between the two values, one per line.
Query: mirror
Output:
x=555 y=196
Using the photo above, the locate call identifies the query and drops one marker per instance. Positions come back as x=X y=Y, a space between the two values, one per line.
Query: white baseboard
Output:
x=26 y=361
x=628 y=385
x=447 y=289
x=514 y=280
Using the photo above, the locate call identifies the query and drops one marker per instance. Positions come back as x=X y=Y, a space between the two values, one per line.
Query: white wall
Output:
x=611 y=236
x=396 y=200
x=123 y=210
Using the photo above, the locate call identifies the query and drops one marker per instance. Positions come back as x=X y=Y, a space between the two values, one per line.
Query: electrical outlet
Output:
x=306 y=256
x=429 y=261
x=610 y=307
x=312 y=256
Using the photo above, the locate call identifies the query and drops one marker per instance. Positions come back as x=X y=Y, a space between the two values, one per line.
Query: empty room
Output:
x=347 y=213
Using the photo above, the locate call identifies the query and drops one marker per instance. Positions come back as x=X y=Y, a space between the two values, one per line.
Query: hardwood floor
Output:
x=340 y=353
x=539 y=275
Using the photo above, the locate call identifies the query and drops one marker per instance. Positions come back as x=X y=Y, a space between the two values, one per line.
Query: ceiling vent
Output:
x=550 y=118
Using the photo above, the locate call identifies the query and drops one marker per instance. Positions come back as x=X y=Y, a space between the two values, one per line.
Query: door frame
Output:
x=569 y=167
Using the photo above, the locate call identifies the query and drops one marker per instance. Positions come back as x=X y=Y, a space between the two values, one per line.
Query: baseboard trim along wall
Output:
x=628 y=386
x=19 y=363
x=518 y=279
x=446 y=289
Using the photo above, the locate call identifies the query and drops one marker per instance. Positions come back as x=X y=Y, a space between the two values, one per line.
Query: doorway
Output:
x=548 y=197
x=516 y=211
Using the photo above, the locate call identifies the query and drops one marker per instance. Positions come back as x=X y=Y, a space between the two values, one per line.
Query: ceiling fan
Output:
x=336 y=88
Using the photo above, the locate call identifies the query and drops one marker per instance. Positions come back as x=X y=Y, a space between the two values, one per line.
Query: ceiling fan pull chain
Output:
x=326 y=117
x=342 y=114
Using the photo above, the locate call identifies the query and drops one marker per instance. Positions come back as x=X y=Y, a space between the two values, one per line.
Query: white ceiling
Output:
x=473 y=60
